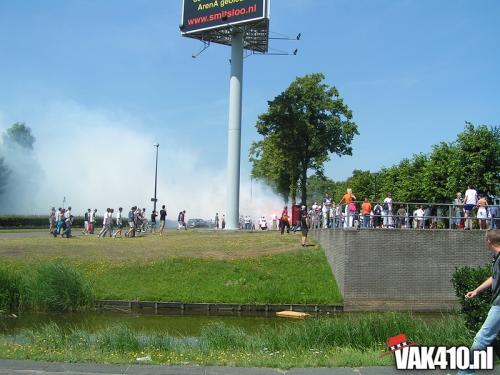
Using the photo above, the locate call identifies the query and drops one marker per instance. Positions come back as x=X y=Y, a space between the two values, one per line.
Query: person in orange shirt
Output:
x=350 y=207
x=366 y=209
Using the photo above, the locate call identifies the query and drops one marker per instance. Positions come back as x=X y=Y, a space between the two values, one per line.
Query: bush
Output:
x=475 y=309
x=33 y=221
x=119 y=338
x=10 y=290
x=59 y=287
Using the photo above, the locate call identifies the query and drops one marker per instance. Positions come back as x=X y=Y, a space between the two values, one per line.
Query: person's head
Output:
x=59 y=209
x=366 y=199
x=421 y=207
x=184 y=211
x=89 y=210
x=143 y=210
x=349 y=191
x=303 y=207
x=163 y=206
x=120 y=209
x=95 y=209
x=493 y=240
x=459 y=195
x=69 y=208
x=389 y=195
x=53 y=209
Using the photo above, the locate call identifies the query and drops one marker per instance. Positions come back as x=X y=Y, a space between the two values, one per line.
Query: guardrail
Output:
x=404 y=215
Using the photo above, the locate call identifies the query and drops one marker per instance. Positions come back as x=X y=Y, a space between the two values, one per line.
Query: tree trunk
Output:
x=303 y=186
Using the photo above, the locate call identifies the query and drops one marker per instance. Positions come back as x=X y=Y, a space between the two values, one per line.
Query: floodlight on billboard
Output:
x=212 y=21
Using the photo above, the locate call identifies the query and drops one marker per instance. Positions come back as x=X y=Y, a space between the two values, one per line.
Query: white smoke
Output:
x=99 y=159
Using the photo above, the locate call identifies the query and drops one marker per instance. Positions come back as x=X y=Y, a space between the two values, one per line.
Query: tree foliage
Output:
x=301 y=128
x=19 y=134
x=473 y=158
x=4 y=175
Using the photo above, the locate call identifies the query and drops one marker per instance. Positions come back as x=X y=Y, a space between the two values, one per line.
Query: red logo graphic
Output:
x=398 y=342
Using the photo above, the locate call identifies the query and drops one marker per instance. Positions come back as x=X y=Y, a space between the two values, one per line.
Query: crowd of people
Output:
x=468 y=212
x=113 y=223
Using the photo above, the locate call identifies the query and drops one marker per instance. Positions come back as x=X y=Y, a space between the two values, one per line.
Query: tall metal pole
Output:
x=234 y=132
x=156 y=176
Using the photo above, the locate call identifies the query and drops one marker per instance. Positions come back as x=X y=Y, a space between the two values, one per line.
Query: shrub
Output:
x=475 y=309
x=10 y=290
x=59 y=287
x=118 y=338
x=32 y=221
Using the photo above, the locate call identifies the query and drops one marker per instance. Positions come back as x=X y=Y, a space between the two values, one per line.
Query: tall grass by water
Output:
x=48 y=286
x=346 y=340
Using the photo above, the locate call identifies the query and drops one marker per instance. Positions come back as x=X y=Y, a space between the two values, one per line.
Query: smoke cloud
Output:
x=99 y=159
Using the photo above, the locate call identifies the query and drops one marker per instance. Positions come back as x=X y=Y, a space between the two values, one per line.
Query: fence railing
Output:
x=405 y=215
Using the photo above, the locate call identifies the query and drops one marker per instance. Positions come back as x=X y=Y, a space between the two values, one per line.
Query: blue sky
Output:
x=87 y=74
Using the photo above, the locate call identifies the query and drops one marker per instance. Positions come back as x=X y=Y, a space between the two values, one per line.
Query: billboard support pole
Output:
x=234 y=131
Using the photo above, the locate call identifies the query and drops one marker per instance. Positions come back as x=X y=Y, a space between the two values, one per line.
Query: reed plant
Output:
x=59 y=287
x=346 y=340
x=10 y=290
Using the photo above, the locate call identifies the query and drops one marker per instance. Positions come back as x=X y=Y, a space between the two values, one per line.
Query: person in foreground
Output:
x=491 y=326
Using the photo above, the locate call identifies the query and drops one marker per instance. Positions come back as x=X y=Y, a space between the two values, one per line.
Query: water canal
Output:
x=175 y=323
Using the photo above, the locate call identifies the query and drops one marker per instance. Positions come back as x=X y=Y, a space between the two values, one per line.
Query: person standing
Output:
x=327 y=204
x=401 y=218
x=419 y=217
x=163 y=217
x=304 y=224
x=52 y=219
x=470 y=201
x=387 y=206
x=86 y=220
x=131 y=222
x=181 y=220
x=92 y=219
x=366 y=209
x=350 y=207
x=223 y=222
x=154 y=214
x=458 y=206
x=482 y=212
x=216 y=220
x=491 y=326
x=106 y=223
x=119 y=222
x=284 y=221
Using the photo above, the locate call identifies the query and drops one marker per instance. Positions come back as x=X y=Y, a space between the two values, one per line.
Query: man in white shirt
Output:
x=419 y=217
x=470 y=201
x=387 y=206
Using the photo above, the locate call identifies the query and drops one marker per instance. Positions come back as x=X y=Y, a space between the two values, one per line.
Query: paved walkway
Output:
x=11 y=367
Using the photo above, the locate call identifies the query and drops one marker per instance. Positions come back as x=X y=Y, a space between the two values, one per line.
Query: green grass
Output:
x=205 y=266
x=349 y=341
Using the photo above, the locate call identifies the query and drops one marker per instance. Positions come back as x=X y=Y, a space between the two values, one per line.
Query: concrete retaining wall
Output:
x=400 y=269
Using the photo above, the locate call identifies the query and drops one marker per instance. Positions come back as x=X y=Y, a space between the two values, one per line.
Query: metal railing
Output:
x=436 y=216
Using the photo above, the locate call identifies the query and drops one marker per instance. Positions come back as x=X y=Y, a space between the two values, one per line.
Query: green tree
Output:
x=4 y=175
x=304 y=125
x=19 y=134
x=479 y=158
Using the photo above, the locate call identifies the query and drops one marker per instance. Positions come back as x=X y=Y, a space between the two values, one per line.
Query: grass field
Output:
x=188 y=266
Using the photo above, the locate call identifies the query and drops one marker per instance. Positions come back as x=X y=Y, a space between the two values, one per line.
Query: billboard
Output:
x=204 y=15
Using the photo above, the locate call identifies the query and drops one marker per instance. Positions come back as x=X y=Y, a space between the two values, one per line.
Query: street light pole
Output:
x=156 y=176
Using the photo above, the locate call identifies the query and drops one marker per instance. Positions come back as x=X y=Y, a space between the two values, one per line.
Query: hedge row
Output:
x=34 y=221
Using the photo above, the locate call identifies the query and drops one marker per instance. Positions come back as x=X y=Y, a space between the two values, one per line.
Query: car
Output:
x=197 y=223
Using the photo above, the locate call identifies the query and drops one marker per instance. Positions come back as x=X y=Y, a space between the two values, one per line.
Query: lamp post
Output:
x=375 y=192
x=157 y=145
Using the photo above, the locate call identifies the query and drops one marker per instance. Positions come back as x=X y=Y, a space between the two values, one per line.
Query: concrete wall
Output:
x=379 y=269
